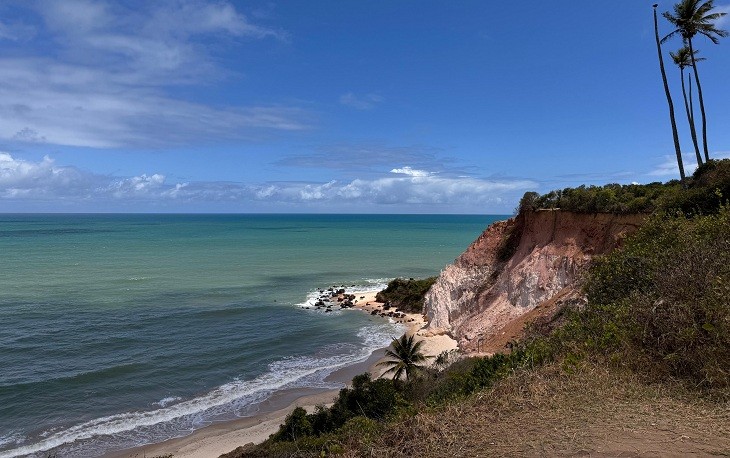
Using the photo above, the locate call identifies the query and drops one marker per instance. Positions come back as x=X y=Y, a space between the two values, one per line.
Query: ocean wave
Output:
x=11 y=438
x=177 y=418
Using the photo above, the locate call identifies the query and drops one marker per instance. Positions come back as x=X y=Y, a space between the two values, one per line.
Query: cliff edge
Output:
x=516 y=266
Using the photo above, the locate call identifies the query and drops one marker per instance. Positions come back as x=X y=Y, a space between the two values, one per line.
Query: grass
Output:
x=547 y=411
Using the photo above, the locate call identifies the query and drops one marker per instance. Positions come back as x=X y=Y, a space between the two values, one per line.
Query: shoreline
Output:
x=225 y=436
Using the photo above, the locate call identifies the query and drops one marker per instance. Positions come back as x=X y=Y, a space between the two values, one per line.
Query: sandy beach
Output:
x=433 y=344
x=225 y=436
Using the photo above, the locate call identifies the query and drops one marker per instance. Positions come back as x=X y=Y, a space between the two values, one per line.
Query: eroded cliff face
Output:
x=490 y=285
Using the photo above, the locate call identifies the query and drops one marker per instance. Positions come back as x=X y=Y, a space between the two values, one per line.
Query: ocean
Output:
x=123 y=330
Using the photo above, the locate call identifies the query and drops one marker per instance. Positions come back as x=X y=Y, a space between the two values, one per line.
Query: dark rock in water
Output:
x=330 y=289
x=341 y=291
x=328 y=310
x=321 y=291
x=319 y=303
x=386 y=307
x=374 y=312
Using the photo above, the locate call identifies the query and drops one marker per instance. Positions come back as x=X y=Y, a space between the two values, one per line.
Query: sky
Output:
x=336 y=106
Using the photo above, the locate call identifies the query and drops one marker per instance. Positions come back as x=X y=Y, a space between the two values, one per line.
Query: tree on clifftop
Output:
x=690 y=18
x=683 y=60
x=675 y=135
x=406 y=355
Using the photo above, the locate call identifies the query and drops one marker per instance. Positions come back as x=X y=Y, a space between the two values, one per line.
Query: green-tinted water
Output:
x=117 y=330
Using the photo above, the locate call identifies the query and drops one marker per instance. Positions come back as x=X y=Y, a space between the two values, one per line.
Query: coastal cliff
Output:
x=516 y=266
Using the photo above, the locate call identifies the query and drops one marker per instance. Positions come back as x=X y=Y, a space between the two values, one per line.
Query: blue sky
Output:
x=334 y=106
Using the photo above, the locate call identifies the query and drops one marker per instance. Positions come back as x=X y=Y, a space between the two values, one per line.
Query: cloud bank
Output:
x=23 y=182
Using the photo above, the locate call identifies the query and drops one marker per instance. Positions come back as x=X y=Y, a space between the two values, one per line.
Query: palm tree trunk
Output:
x=702 y=101
x=690 y=118
x=677 y=148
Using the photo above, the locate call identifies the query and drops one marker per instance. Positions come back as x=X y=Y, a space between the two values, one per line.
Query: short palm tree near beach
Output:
x=406 y=357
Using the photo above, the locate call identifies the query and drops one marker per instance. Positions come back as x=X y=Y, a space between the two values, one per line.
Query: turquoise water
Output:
x=119 y=330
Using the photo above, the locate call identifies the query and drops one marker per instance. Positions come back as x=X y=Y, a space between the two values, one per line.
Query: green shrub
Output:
x=660 y=305
x=406 y=295
x=296 y=425
x=371 y=399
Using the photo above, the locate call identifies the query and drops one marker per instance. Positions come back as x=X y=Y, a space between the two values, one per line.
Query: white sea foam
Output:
x=10 y=438
x=176 y=419
x=368 y=285
x=164 y=402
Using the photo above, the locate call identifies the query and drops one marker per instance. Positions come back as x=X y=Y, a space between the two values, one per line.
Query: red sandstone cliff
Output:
x=490 y=290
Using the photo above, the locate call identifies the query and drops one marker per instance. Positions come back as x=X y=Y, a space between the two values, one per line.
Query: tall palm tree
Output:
x=677 y=148
x=406 y=357
x=683 y=60
x=690 y=18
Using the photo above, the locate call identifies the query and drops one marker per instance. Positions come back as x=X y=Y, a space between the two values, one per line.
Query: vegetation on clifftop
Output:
x=701 y=194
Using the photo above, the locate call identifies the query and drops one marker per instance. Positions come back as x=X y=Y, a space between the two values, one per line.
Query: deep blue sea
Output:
x=120 y=330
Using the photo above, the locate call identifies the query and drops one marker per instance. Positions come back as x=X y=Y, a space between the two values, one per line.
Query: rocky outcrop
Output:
x=516 y=265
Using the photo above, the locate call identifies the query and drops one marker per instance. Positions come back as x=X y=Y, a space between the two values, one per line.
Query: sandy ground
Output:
x=433 y=344
x=223 y=437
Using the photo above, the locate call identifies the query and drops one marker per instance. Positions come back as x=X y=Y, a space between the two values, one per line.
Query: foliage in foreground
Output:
x=406 y=295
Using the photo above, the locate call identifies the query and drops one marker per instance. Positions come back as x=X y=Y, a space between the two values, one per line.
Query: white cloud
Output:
x=44 y=179
x=364 y=102
x=22 y=180
x=138 y=186
x=107 y=84
x=668 y=168
x=43 y=101
x=411 y=172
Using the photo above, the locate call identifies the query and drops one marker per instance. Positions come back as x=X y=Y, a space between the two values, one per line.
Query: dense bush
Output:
x=611 y=198
x=660 y=305
x=701 y=194
x=406 y=295
x=371 y=399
